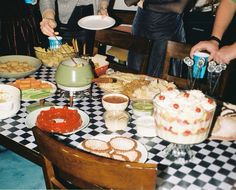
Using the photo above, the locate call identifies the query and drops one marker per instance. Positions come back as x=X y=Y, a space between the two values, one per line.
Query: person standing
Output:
x=63 y=15
x=158 y=21
x=225 y=54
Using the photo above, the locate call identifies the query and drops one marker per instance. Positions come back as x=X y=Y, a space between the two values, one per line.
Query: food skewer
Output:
x=68 y=54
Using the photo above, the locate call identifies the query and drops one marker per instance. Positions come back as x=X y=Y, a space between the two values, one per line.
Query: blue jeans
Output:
x=159 y=28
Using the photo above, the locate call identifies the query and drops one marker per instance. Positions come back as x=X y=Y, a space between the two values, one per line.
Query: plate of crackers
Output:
x=33 y=89
x=18 y=66
x=116 y=147
x=135 y=86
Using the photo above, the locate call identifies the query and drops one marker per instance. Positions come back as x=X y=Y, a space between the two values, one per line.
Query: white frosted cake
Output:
x=183 y=117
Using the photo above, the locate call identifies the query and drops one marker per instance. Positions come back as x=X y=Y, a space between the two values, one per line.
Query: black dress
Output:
x=72 y=30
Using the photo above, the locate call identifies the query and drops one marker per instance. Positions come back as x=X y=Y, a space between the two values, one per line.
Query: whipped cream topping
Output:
x=185 y=105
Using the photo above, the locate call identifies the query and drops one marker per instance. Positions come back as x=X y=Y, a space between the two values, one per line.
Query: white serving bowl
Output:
x=115 y=102
x=10 y=101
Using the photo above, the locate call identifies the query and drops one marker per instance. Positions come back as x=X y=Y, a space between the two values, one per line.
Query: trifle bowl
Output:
x=183 y=118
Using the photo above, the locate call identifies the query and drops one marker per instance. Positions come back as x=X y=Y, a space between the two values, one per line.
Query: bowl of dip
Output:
x=142 y=108
x=115 y=102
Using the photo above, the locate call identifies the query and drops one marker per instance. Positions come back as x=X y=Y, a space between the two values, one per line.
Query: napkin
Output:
x=225 y=126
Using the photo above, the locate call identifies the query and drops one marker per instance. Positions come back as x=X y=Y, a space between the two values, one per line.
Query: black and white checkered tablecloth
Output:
x=214 y=166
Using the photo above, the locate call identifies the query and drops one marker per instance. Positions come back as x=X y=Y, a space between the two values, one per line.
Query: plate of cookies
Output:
x=116 y=147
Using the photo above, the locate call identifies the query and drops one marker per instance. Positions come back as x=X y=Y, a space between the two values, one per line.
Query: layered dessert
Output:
x=183 y=117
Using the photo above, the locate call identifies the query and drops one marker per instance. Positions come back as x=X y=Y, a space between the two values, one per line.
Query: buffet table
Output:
x=214 y=166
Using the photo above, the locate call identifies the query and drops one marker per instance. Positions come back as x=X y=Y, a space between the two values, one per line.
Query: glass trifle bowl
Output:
x=183 y=118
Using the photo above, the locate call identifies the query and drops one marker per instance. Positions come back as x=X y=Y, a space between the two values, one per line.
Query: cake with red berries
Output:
x=183 y=117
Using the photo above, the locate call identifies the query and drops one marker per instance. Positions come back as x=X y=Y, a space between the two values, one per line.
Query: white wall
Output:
x=119 y=4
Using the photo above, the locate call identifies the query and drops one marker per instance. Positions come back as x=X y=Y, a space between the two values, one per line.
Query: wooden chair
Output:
x=64 y=166
x=123 y=40
x=180 y=51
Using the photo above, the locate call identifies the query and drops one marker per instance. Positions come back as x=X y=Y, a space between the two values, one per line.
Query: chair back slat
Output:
x=126 y=41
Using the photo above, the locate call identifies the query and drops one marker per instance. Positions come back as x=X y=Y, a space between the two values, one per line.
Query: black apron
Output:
x=72 y=30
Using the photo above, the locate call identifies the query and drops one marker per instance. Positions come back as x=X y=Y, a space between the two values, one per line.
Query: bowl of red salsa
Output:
x=115 y=101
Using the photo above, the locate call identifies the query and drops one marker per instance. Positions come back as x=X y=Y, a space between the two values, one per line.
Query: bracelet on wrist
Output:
x=49 y=18
x=215 y=39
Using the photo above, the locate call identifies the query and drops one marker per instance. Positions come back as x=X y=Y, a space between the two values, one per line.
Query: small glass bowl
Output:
x=116 y=120
x=142 y=108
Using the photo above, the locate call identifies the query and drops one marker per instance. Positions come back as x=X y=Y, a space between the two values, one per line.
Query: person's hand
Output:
x=225 y=54
x=103 y=8
x=211 y=46
x=103 y=12
x=47 y=26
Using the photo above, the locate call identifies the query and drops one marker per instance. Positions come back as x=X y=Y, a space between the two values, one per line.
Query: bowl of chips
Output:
x=52 y=58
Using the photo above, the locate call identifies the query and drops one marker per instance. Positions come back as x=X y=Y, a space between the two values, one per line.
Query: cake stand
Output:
x=179 y=153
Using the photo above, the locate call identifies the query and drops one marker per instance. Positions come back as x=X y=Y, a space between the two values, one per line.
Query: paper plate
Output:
x=96 y=22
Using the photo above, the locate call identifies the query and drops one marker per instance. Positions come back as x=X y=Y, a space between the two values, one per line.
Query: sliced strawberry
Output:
x=186 y=94
x=201 y=130
x=198 y=110
x=185 y=122
x=162 y=97
x=176 y=106
x=166 y=129
x=210 y=101
x=208 y=115
x=187 y=133
x=172 y=131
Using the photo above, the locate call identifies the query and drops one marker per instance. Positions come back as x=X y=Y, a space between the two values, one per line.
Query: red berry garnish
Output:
x=176 y=106
x=186 y=94
x=210 y=101
x=198 y=110
x=161 y=97
x=186 y=133
x=186 y=122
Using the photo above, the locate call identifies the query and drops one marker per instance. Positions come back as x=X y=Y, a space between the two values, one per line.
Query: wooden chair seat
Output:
x=64 y=166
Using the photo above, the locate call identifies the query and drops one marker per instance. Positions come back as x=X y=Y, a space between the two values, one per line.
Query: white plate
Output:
x=32 y=117
x=96 y=22
x=140 y=146
x=32 y=61
x=28 y=95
